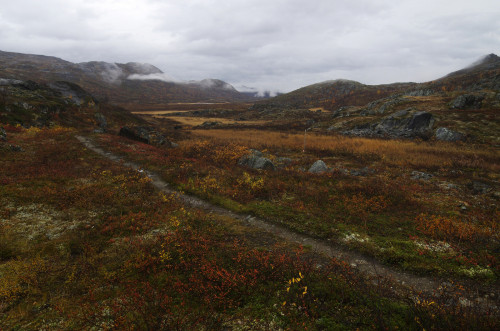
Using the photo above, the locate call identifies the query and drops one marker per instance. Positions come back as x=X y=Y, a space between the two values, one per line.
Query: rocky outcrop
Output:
x=402 y=124
x=478 y=187
x=318 y=167
x=209 y=124
x=143 y=134
x=255 y=160
x=467 y=101
x=418 y=175
x=74 y=93
x=446 y=134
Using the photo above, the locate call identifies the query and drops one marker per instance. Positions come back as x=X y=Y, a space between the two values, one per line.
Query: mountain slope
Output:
x=332 y=95
x=116 y=82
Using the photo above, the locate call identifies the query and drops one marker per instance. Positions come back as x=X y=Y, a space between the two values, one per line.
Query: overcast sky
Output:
x=269 y=44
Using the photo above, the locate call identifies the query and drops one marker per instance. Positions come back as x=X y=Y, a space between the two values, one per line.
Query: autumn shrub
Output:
x=451 y=229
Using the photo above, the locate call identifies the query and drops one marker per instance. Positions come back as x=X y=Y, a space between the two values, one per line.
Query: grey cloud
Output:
x=267 y=45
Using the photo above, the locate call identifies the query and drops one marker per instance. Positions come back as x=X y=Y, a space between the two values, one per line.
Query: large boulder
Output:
x=255 y=161
x=318 y=167
x=417 y=124
x=467 y=101
x=446 y=134
x=143 y=134
x=420 y=122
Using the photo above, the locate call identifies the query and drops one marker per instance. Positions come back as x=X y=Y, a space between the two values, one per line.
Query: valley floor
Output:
x=90 y=243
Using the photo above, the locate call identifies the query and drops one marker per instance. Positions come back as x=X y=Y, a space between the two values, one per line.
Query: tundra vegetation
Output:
x=87 y=243
x=406 y=175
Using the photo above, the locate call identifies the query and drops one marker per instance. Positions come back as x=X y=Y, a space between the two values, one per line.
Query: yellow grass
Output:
x=391 y=152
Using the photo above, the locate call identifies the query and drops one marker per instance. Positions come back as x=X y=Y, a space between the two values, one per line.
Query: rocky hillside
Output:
x=462 y=105
x=116 y=82
x=29 y=104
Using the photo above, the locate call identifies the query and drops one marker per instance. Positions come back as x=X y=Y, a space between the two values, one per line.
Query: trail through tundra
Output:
x=484 y=296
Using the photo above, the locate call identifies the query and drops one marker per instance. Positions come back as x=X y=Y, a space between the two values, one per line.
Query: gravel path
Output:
x=485 y=296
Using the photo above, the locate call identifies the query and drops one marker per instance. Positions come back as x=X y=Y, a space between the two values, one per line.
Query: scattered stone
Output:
x=256 y=153
x=478 y=187
x=256 y=162
x=448 y=186
x=310 y=122
x=101 y=122
x=143 y=134
x=418 y=175
x=209 y=124
x=446 y=134
x=16 y=148
x=420 y=93
x=318 y=167
x=467 y=101
x=400 y=113
x=362 y=172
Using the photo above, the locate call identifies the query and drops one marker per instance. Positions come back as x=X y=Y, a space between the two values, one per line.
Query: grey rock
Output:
x=256 y=162
x=101 y=121
x=400 y=113
x=446 y=134
x=420 y=122
x=256 y=152
x=209 y=124
x=318 y=167
x=73 y=92
x=143 y=134
x=417 y=124
x=467 y=101
x=420 y=93
x=418 y=175
x=16 y=148
x=7 y=81
x=449 y=186
x=479 y=187
x=361 y=172
x=99 y=130
x=3 y=134
x=310 y=122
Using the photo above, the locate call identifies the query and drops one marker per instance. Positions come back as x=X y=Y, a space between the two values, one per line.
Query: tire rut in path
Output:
x=366 y=265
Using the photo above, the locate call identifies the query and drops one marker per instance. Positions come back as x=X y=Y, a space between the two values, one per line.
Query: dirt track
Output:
x=367 y=265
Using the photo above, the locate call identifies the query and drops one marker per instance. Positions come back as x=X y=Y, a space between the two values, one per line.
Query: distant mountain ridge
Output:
x=119 y=83
x=335 y=94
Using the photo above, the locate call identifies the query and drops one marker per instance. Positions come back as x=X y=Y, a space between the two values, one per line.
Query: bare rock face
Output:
x=446 y=134
x=402 y=124
x=467 y=101
x=318 y=167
